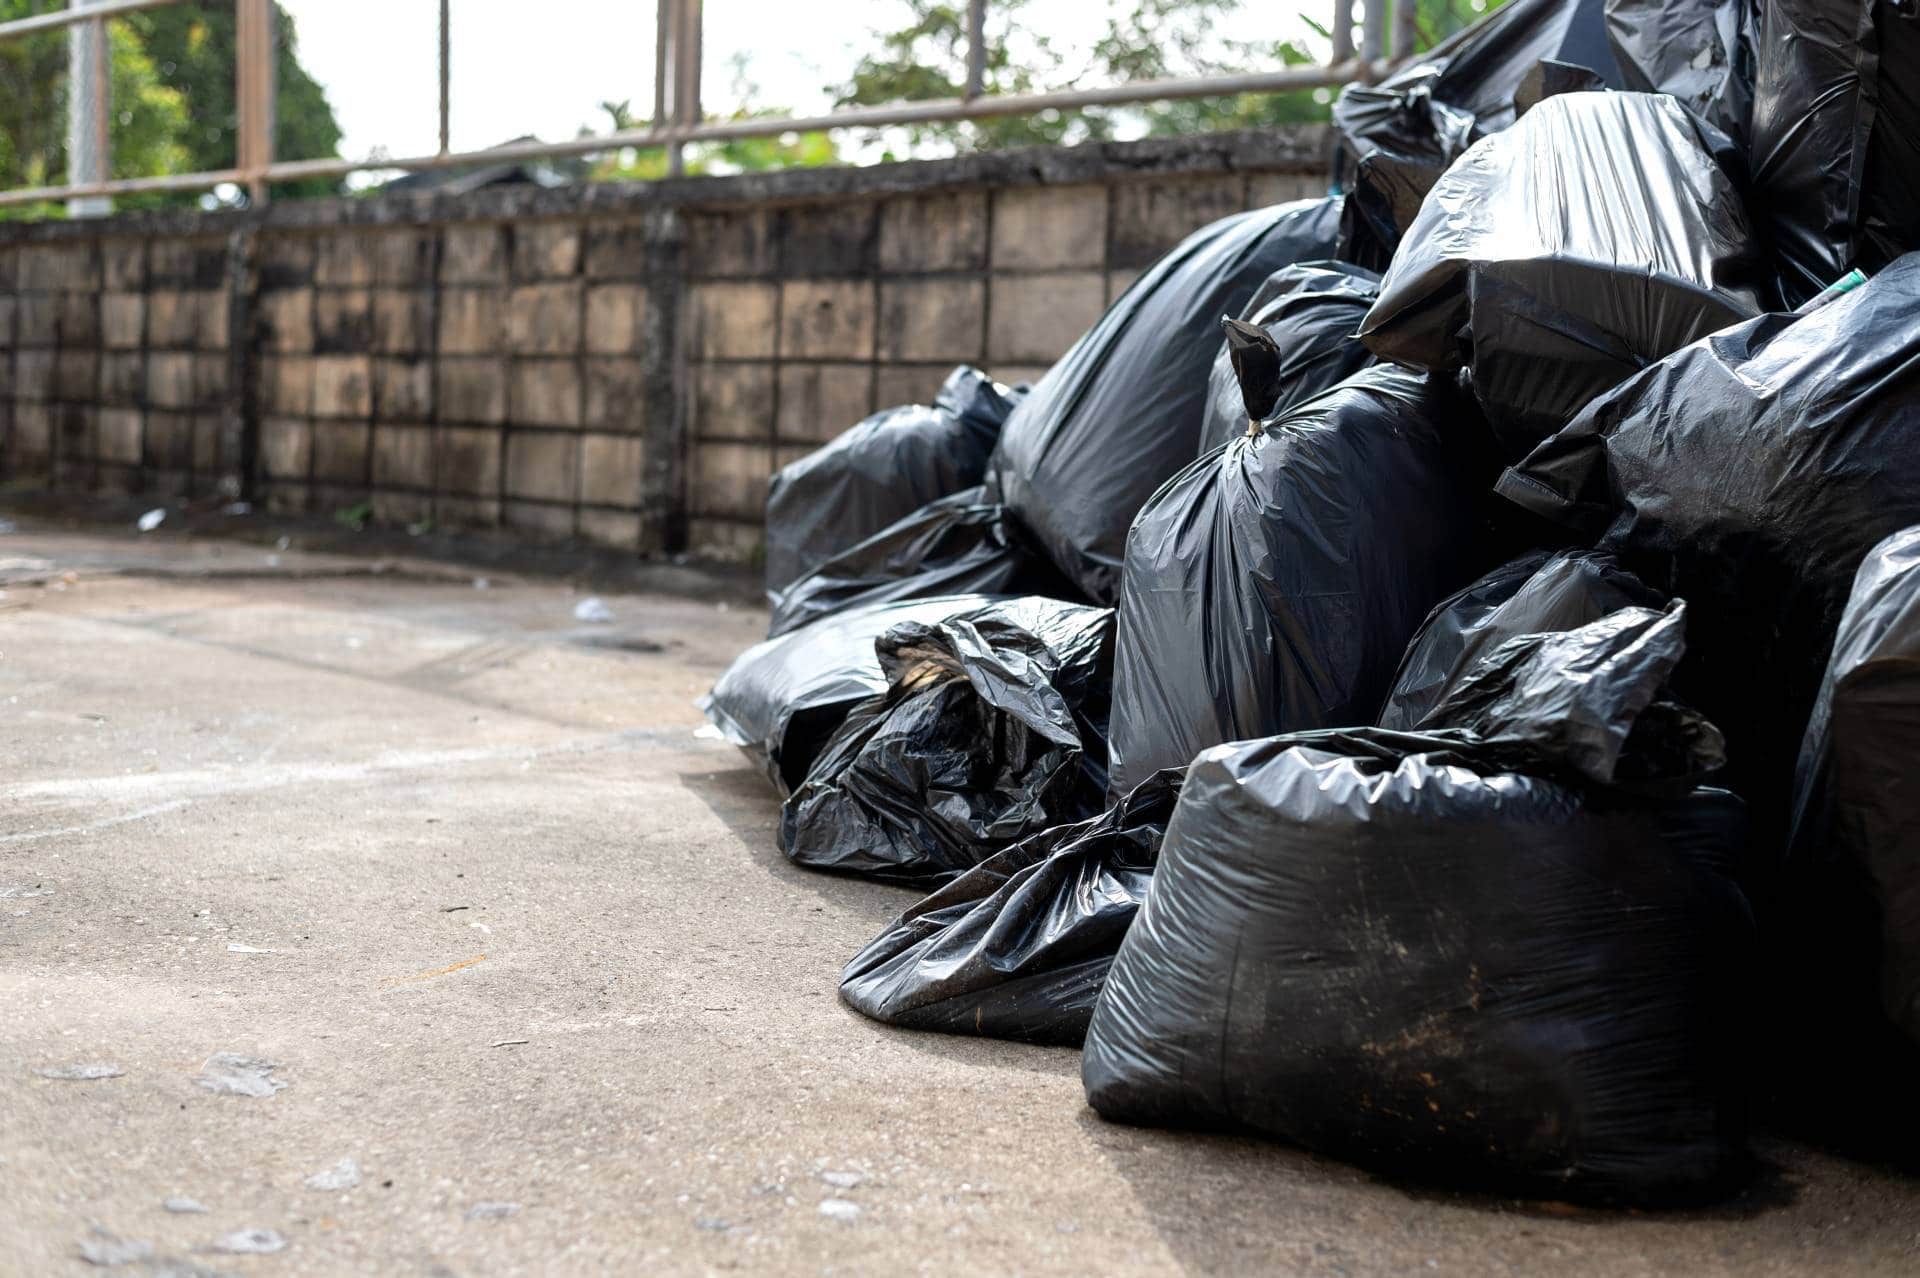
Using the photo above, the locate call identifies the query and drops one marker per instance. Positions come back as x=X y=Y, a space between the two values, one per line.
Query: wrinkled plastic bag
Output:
x=959 y=545
x=1018 y=946
x=1857 y=803
x=1123 y=409
x=879 y=471
x=1700 y=51
x=1750 y=473
x=1310 y=313
x=782 y=699
x=1273 y=585
x=1464 y=955
x=1557 y=258
x=1836 y=136
x=1538 y=593
x=992 y=728
x=1383 y=197
x=1464 y=87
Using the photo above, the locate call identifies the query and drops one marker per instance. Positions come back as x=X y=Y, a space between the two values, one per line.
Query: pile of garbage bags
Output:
x=1473 y=952
x=1417 y=667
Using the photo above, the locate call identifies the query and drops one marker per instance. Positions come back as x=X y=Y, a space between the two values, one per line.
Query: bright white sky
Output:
x=544 y=69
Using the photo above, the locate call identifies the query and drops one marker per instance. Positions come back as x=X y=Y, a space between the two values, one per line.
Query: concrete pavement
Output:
x=519 y=942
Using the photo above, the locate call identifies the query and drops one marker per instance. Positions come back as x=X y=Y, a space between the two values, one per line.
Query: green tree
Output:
x=734 y=155
x=149 y=117
x=1133 y=40
x=192 y=46
x=173 y=102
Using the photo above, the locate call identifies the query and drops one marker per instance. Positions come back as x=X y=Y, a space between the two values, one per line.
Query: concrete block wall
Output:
x=616 y=366
x=122 y=371
x=467 y=375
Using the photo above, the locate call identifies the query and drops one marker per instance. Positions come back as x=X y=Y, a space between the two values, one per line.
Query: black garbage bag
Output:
x=1383 y=197
x=992 y=728
x=1123 y=409
x=1700 y=51
x=1272 y=586
x=1561 y=256
x=1836 y=136
x=959 y=545
x=1857 y=793
x=1472 y=954
x=1310 y=313
x=1465 y=87
x=1750 y=473
x=880 y=471
x=1540 y=592
x=782 y=699
x=1018 y=946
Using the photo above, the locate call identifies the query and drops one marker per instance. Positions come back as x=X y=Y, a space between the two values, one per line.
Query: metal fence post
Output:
x=1406 y=27
x=676 y=91
x=254 y=94
x=666 y=77
x=446 y=64
x=976 y=49
x=687 y=83
x=1373 y=35
x=1342 y=31
x=89 y=112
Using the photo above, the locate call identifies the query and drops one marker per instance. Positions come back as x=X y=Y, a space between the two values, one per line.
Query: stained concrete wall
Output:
x=617 y=365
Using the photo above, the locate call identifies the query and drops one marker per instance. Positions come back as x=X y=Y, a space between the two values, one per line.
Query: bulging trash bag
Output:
x=1561 y=256
x=1858 y=787
x=1750 y=473
x=1310 y=314
x=1018 y=946
x=1836 y=136
x=1123 y=409
x=992 y=727
x=780 y=700
x=1272 y=586
x=963 y=544
x=1464 y=87
x=1700 y=51
x=1538 y=593
x=1472 y=954
x=879 y=471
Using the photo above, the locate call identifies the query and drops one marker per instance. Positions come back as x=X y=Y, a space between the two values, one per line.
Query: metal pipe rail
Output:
x=677 y=117
x=96 y=12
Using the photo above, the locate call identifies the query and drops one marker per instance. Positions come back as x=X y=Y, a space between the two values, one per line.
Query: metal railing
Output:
x=678 y=118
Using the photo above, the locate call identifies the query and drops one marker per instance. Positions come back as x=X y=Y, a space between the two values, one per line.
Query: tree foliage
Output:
x=192 y=47
x=734 y=155
x=173 y=100
x=1132 y=40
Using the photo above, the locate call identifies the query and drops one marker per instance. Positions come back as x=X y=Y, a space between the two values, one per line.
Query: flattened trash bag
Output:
x=879 y=471
x=1311 y=312
x=1858 y=788
x=963 y=544
x=780 y=700
x=1647 y=248
x=1750 y=473
x=1272 y=586
x=1018 y=946
x=1700 y=51
x=1836 y=136
x=992 y=727
x=1123 y=409
x=1537 y=593
x=1463 y=955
